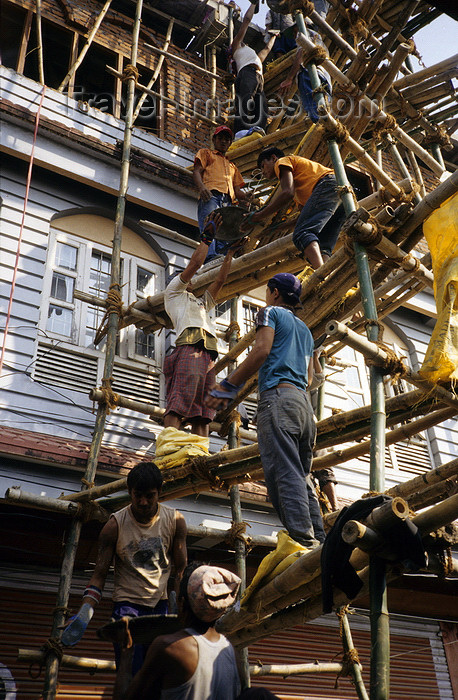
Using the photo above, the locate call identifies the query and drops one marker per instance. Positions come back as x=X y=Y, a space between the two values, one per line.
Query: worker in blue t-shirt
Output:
x=286 y=427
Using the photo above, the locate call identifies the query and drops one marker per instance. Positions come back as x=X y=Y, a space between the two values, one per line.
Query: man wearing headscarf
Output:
x=195 y=663
x=286 y=428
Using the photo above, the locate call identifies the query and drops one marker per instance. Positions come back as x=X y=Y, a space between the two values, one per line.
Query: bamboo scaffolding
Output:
x=373 y=108
x=331 y=282
x=302 y=578
x=380 y=357
x=435 y=517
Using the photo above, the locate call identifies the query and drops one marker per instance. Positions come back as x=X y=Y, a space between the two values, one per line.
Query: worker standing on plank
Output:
x=285 y=421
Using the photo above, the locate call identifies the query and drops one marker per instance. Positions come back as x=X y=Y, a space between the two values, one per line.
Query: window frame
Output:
x=126 y=350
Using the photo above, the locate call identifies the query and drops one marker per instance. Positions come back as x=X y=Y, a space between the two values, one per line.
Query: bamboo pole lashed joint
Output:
x=380 y=356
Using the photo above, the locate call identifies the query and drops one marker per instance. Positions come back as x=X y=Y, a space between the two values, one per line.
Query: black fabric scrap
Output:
x=336 y=569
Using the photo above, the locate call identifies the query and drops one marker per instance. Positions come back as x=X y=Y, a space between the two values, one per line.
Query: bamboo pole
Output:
x=401 y=53
x=157 y=71
x=184 y=62
x=416 y=172
x=35 y=656
x=236 y=511
x=286 y=670
x=416 y=79
x=378 y=417
x=382 y=196
x=157 y=413
x=379 y=356
x=213 y=82
x=41 y=72
x=400 y=163
x=15 y=494
x=349 y=647
x=52 y=661
x=404 y=432
x=86 y=46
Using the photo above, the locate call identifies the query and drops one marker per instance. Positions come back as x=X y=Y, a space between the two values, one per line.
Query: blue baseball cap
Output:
x=288 y=284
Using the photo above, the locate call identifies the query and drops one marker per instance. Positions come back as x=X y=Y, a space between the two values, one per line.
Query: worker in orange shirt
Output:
x=314 y=188
x=219 y=183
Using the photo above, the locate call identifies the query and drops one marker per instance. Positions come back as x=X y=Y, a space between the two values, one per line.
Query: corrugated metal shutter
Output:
x=26 y=623
x=413 y=671
x=26 y=619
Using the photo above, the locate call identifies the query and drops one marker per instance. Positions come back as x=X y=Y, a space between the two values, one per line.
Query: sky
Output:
x=435 y=42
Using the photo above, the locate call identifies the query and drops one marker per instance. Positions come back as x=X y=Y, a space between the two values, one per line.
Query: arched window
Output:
x=79 y=259
x=347 y=388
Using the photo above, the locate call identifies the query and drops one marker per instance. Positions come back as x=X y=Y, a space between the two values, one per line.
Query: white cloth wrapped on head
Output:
x=211 y=591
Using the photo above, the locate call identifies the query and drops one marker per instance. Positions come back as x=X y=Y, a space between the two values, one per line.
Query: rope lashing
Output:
x=365 y=238
x=113 y=305
x=394 y=365
x=439 y=138
x=388 y=127
x=357 y=26
x=233 y=417
x=198 y=467
x=233 y=327
x=317 y=55
x=129 y=72
x=51 y=646
x=237 y=531
x=350 y=658
x=336 y=131
x=110 y=398
x=408 y=258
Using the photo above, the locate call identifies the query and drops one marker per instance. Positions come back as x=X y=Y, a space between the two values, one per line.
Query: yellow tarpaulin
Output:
x=441 y=232
x=285 y=553
x=174 y=446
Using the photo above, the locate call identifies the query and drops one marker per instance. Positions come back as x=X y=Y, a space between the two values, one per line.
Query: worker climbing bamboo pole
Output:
x=379 y=689
x=112 y=314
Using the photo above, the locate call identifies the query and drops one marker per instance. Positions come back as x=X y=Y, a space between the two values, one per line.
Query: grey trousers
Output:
x=286 y=436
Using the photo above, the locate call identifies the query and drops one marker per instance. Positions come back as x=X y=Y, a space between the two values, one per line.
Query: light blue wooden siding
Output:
x=25 y=402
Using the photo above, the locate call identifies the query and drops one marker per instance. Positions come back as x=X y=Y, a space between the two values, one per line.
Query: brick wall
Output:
x=184 y=84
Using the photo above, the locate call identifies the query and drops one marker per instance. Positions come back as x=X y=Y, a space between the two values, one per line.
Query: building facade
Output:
x=56 y=232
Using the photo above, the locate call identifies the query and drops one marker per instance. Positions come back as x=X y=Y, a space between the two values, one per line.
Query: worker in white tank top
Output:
x=195 y=663
x=250 y=100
